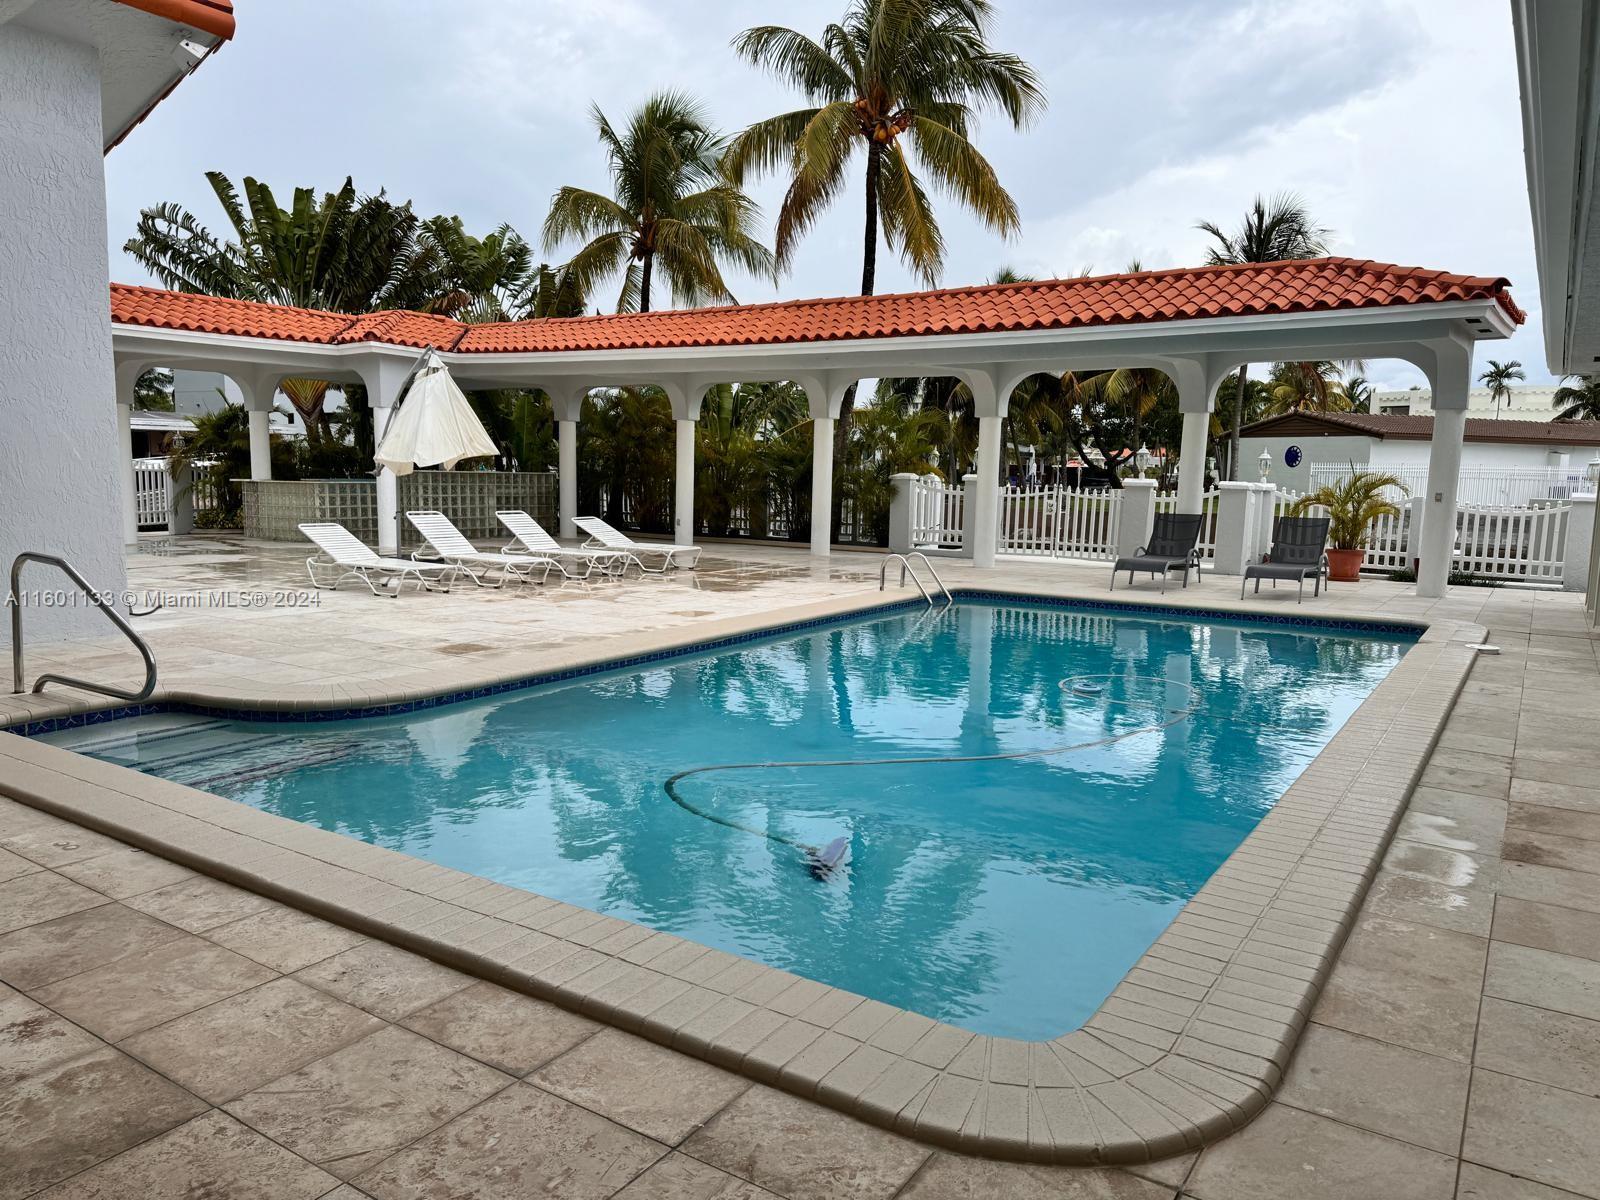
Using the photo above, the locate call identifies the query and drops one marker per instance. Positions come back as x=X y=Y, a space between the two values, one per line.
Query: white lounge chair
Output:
x=349 y=558
x=450 y=544
x=531 y=537
x=603 y=536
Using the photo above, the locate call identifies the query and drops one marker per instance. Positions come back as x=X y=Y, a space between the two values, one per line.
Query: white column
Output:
x=824 y=395
x=1236 y=527
x=384 y=376
x=985 y=495
x=902 y=518
x=260 y=444
x=124 y=460
x=683 y=511
x=567 y=474
x=388 y=490
x=1451 y=379
x=1580 y=540
x=821 y=486
x=1137 y=516
x=1192 y=460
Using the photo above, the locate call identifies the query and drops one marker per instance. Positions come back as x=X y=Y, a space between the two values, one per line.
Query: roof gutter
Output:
x=204 y=15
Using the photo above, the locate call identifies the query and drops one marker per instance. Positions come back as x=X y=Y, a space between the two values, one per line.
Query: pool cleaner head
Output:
x=825 y=862
x=1082 y=687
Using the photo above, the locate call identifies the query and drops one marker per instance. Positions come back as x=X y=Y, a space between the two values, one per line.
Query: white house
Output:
x=75 y=77
x=1525 y=403
x=1503 y=461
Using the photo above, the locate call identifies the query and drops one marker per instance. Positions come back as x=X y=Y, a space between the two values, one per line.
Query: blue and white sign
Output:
x=1292 y=456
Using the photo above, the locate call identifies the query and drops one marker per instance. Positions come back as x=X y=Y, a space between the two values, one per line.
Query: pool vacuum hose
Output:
x=825 y=862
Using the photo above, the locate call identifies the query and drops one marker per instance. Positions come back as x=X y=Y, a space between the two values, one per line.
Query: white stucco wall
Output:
x=1356 y=449
x=59 y=490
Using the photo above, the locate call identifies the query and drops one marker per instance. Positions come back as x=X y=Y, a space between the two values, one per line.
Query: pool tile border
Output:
x=1186 y=1049
x=86 y=713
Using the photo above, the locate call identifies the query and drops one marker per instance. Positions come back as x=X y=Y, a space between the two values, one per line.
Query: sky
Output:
x=1397 y=121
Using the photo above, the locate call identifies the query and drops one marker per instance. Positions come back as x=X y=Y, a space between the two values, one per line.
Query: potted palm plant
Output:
x=1352 y=505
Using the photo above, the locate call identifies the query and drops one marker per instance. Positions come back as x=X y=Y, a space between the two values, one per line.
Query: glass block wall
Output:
x=274 y=508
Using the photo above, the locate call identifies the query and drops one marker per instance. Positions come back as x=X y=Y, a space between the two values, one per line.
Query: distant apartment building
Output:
x=1531 y=403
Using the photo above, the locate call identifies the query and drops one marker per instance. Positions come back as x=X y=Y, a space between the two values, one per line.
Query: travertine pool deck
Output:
x=1170 y=1083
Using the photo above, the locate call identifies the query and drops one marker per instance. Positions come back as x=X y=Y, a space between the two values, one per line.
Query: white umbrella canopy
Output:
x=434 y=425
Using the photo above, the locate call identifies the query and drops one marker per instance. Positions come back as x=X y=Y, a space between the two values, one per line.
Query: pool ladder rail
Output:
x=907 y=567
x=18 y=684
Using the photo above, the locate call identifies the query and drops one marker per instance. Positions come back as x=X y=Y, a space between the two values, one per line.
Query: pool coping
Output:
x=1186 y=1049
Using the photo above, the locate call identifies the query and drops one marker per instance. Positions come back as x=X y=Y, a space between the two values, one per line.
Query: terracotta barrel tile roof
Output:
x=210 y=16
x=213 y=314
x=1147 y=296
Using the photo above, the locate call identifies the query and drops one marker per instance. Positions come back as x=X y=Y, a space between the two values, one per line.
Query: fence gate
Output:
x=1059 y=522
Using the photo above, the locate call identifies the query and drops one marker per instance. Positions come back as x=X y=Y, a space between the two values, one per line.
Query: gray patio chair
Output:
x=1299 y=552
x=1173 y=546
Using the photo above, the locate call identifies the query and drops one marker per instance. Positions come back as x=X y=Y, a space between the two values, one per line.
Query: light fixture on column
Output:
x=1265 y=463
x=1141 y=459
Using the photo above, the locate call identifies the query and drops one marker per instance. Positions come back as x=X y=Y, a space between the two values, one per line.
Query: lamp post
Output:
x=1265 y=463
x=1141 y=459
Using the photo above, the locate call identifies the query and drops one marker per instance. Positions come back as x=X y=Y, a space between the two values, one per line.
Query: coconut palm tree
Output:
x=891 y=72
x=1307 y=387
x=671 y=208
x=1578 y=400
x=1359 y=392
x=1499 y=378
x=1277 y=230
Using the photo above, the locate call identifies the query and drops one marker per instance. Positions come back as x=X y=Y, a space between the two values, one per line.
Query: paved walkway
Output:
x=162 y=1034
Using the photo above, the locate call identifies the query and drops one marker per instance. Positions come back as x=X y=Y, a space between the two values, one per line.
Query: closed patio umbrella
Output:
x=434 y=424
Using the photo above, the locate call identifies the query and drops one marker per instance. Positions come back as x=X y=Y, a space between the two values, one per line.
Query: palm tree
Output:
x=1353 y=504
x=1580 y=400
x=1359 y=392
x=1499 y=378
x=471 y=279
x=1307 y=387
x=342 y=252
x=1276 y=230
x=891 y=72
x=671 y=207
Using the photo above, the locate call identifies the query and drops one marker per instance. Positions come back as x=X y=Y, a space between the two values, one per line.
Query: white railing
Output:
x=1168 y=502
x=1512 y=543
x=152 y=491
x=1499 y=486
x=937 y=514
x=1060 y=522
x=1497 y=541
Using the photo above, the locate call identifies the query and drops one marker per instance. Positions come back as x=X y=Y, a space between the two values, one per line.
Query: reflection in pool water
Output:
x=1006 y=895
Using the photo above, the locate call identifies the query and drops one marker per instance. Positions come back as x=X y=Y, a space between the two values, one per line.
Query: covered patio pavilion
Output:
x=1197 y=325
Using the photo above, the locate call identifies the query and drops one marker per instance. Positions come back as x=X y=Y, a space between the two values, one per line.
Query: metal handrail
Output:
x=927 y=562
x=71 y=572
x=906 y=568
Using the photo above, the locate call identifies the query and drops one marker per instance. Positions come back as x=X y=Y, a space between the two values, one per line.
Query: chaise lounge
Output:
x=602 y=536
x=1173 y=546
x=352 y=559
x=1299 y=552
x=451 y=545
x=532 y=538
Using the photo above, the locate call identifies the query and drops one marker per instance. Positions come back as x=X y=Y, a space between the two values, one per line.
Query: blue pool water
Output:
x=1005 y=895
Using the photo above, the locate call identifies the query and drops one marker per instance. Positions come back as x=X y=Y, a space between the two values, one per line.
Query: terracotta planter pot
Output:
x=1344 y=566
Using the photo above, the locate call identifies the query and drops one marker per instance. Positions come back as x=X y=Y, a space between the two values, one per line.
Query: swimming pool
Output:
x=1006 y=893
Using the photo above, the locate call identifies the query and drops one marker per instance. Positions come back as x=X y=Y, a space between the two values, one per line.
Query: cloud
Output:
x=1400 y=128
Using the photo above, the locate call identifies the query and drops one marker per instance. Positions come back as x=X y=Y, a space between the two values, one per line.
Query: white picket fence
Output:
x=152 y=491
x=1481 y=486
x=1059 y=522
x=937 y=514
x=1512 y=543
x=1167 y=502
x=1497 y=541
